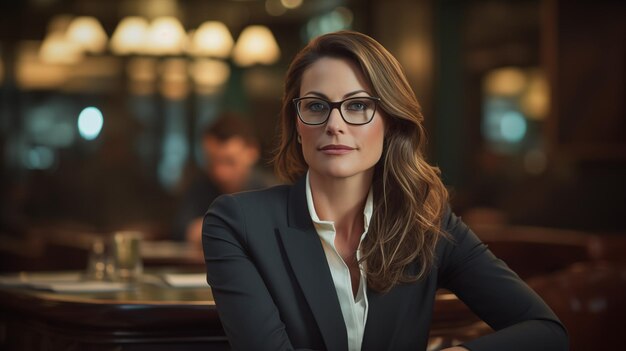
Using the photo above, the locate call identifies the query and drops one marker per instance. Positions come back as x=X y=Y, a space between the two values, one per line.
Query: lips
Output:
x=335 y=149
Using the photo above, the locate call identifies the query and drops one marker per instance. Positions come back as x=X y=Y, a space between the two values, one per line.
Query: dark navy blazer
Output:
x=274 y=291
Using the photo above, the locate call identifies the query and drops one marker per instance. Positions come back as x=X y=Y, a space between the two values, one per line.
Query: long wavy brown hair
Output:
x=409 y=196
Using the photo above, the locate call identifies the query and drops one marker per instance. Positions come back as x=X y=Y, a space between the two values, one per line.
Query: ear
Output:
x=297 y=127
x=253 y=152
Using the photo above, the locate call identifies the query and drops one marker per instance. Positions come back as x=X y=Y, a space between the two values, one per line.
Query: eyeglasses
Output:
x=355 y=110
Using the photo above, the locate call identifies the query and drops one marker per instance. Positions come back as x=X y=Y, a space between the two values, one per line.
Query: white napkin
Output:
x=186 y=280
x=86 y=286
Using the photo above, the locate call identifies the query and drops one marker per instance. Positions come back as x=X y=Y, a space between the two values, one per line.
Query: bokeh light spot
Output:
x=90 y=122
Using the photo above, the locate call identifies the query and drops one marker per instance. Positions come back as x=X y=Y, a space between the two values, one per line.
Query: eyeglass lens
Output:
x=358 y=110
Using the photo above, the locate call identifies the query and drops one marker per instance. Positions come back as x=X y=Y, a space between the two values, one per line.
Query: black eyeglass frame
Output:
x=336 y=105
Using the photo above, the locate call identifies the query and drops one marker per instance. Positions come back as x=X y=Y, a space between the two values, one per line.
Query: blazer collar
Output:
x=308 y=261
x=298 y=212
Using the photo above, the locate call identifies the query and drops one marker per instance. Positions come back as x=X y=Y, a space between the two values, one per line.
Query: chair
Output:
x=589 y=299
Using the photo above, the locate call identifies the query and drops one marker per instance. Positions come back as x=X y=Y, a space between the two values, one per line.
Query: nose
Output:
x=335 y=123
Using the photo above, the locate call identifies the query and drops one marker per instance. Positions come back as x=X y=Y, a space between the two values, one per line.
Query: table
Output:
x=150 y=316
x=155 y=316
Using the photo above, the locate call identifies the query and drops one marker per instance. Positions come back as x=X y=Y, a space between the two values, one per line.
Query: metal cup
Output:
x=127 y=256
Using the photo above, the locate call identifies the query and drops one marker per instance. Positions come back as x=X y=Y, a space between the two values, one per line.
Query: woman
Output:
x=350 y=256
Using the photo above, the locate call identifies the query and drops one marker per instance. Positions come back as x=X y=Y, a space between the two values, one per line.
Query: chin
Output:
x=340 y=170
x=339 y=167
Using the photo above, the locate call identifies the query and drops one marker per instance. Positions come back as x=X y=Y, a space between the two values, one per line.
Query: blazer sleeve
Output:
x=520 y=318
x=247 y=311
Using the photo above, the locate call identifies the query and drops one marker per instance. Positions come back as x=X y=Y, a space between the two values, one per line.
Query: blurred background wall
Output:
x=524 y=102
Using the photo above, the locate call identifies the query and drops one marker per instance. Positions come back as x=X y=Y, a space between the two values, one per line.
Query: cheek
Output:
x=308 y=136
x=373 y=138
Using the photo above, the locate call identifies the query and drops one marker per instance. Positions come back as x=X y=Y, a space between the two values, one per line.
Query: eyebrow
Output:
x=322 y=95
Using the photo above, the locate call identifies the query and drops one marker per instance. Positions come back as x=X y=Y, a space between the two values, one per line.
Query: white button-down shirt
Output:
x=354 y=309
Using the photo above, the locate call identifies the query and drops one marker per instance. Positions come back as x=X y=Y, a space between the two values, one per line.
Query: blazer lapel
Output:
x=308 y=261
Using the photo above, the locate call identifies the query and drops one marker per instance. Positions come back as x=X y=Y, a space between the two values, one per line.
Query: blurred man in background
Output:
x=231 y=150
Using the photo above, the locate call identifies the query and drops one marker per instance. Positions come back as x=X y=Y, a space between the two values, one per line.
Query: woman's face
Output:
x=335 y=148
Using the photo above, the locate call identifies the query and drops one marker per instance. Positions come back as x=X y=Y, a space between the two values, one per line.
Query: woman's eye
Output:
x=316 y=107
x=357 y=106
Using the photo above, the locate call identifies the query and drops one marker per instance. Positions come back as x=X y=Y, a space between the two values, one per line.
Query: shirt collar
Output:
x=367 y=210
